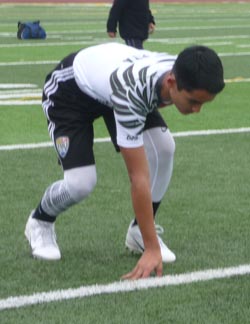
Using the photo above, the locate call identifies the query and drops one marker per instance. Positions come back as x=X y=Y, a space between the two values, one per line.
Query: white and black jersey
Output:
x=124 y=79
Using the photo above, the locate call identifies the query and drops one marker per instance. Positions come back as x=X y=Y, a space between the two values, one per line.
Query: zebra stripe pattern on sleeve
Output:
x=133 y=100
x=134 y=89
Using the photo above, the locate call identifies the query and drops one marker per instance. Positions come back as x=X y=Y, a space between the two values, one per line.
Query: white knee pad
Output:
x=160 y=147
x=80 y=181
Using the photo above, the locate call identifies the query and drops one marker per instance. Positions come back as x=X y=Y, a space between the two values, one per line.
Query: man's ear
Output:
x=171 y=80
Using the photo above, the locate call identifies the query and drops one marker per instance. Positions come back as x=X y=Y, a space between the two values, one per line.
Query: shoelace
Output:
x=159 y=229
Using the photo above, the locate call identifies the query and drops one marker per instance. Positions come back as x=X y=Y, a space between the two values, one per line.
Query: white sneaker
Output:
x=134 y=242
x=42 y=239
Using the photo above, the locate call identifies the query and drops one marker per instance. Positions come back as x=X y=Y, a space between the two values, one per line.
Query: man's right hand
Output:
x=150 y=261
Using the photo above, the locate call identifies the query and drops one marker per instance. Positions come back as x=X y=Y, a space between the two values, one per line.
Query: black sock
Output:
x=41 y=215
x=155 y=208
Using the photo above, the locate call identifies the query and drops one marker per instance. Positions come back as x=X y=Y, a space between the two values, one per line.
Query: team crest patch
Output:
x=62 y=145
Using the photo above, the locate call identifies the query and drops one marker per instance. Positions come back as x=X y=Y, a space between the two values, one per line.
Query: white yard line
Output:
x=177 y=40
x=56 y=61
x=21 y=95
x=24 y=102
x=123 y=286
x=17 y=85
x=107 y=139
x=38 y=44
x=212 y=132
x=25 y=97
x=28 y=63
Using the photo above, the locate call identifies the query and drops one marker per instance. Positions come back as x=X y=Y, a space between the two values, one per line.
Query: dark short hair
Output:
x=199 y=67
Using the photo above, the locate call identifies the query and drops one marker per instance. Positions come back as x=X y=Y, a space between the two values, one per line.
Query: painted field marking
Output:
x=33 y=97
x=17 y=85
x=28 y=63
x=20 y=102
x=237 y=80
x=180 y=40
x=123 y=286
x=21 y=63
x=56 y=33
x=107 y=139
x=21 y=95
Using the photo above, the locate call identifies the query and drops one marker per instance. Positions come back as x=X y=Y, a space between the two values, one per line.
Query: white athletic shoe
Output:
x=42 y=239
x=134 y=242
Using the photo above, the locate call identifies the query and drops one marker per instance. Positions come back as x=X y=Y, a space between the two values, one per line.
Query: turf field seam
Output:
x=28 y=146
x=123 y=286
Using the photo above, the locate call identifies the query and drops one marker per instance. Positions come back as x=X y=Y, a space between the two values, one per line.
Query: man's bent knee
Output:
x=80 y=181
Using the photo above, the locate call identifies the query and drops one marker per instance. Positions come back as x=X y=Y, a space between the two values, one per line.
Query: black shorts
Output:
x=71 y=115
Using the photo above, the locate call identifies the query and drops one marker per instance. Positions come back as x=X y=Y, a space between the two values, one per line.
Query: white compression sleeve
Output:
x=160 y=147
x=77 y=184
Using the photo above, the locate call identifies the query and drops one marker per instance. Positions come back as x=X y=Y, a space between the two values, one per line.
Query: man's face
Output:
x=187 y=102
x=190 y=102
